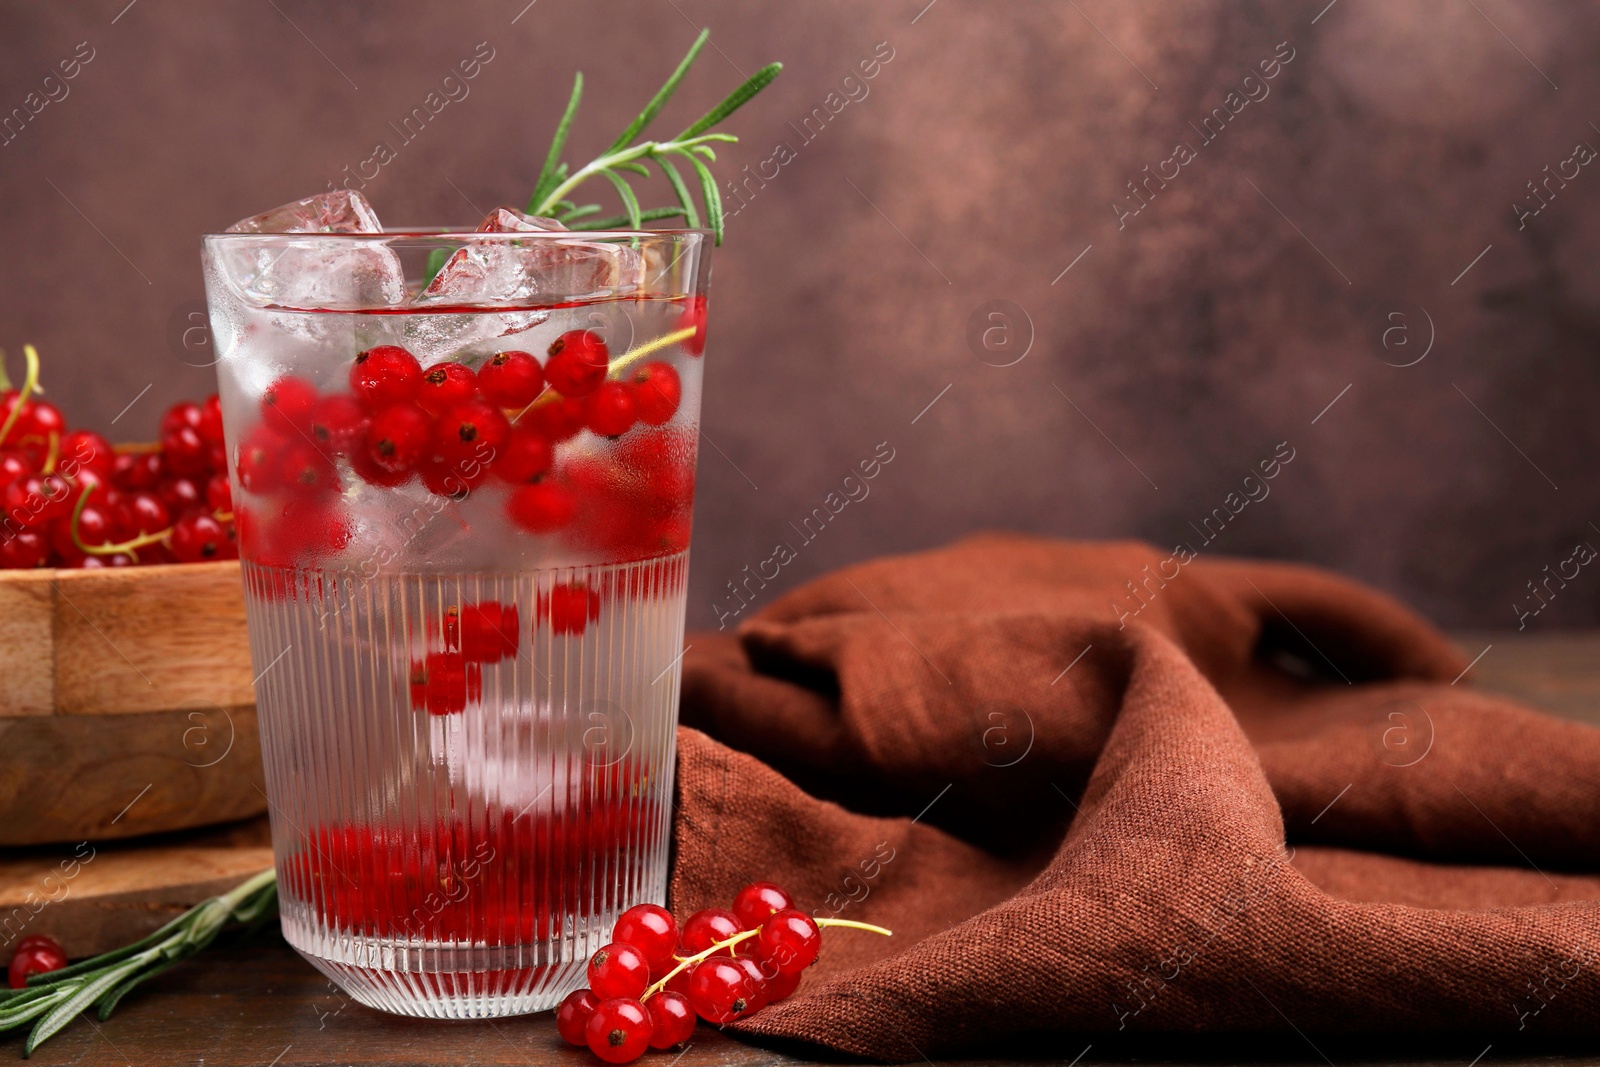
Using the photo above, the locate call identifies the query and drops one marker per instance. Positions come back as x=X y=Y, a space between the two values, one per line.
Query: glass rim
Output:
x=463 y=236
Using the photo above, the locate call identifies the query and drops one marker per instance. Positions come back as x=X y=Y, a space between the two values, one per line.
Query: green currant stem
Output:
x=52 y=452
x=30 y=384
x=108 y=550
x=685 y=962
x=851 y=924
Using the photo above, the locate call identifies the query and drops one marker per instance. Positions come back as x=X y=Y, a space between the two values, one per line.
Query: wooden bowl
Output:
x=126 y=705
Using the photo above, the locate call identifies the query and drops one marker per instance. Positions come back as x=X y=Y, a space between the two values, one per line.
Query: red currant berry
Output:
x=23 y=550
x=560 y=419
x=511 y=379
x=570 y=608
x=694 y=316
x=198 y=537
x=40 y=957
x=657 y=391
x=578 y=363
x=652 y=930
x=471 y=435
x=385 y=376
x=526 y=456
x=219 y=494
x=444 y=682
x=146 y=513
x=543 y=507
x=338 y=424
x=789 y=941
x=758 y=901
x=183 y=413
x=210 y=423
x=782 y=985
x=310 y=527
x=181 y=495
x=15 y=465
x=258 y=464
x=444 y=385
x=572 y=1018
x=185 y=452
x=44 y=419
x=612 y=411
x=286 y=405
x=38 y=500
x=671 y=1019
x=86 y=450
x=306 y=471
x=619 y=1030
x=484 y=633
x=706 y=928
x=397 y=439
x=443 y=479
x=95 y=527
x=719 y=990
x=618 y=970
x=372 y=474
x=756 y=978
x=147 y=471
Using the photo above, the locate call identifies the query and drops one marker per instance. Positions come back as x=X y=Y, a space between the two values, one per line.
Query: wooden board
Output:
x=95 y=897
x=125 y=684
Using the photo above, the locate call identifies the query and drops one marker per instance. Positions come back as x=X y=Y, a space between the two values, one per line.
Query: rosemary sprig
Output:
x=692 y=146
x=102 y=981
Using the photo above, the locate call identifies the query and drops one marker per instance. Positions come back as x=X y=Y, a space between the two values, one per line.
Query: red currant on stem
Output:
x=444 y=385
x=789 y=941
x=559 y=419
x=652 y=930
x=719 y=990
x=758 y=901
x=527 y=455
x=671 y=1018
x=542 y=507
x=385 y=376
x=286 y=405
x=619 y=1030
x=578 y=363
x=511 y=379
x=618 y=970
x=708 y=928
x=612 y=410
x=572 y=1017
x=657 y=391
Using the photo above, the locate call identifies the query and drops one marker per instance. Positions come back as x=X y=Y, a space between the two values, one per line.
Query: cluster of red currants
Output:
x=71 y=500
x=648 y=986
x=35 y=954
x=449 y=426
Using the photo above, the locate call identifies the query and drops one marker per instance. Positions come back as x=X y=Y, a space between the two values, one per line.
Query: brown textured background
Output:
x=985 y=157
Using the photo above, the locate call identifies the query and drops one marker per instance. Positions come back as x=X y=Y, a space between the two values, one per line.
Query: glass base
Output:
x=450 y=982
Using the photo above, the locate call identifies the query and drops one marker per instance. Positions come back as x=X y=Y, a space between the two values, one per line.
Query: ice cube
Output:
x=510 y=220
x=559 y=269
x=341 y=211
x=315 y=273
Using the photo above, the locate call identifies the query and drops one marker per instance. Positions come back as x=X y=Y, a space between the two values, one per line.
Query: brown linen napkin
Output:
x=1068 y=796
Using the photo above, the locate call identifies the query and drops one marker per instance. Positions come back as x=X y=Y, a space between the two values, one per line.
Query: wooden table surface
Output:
x=259 y=1004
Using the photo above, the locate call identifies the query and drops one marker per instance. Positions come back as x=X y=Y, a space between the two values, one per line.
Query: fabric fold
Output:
x=1093 y=789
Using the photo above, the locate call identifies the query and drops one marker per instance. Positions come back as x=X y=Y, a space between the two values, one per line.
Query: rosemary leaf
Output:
x=578 y=212
x=713 y=198
x=633 y=167
x=553 y=170
x=734 y=101
x=109 y=1002
x=612 y=222
x=629 y=202
x=657 y=102
x=682 y=191
x=69 y=1009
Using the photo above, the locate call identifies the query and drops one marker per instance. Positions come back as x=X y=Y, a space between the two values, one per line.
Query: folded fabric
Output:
x=1065 y=774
